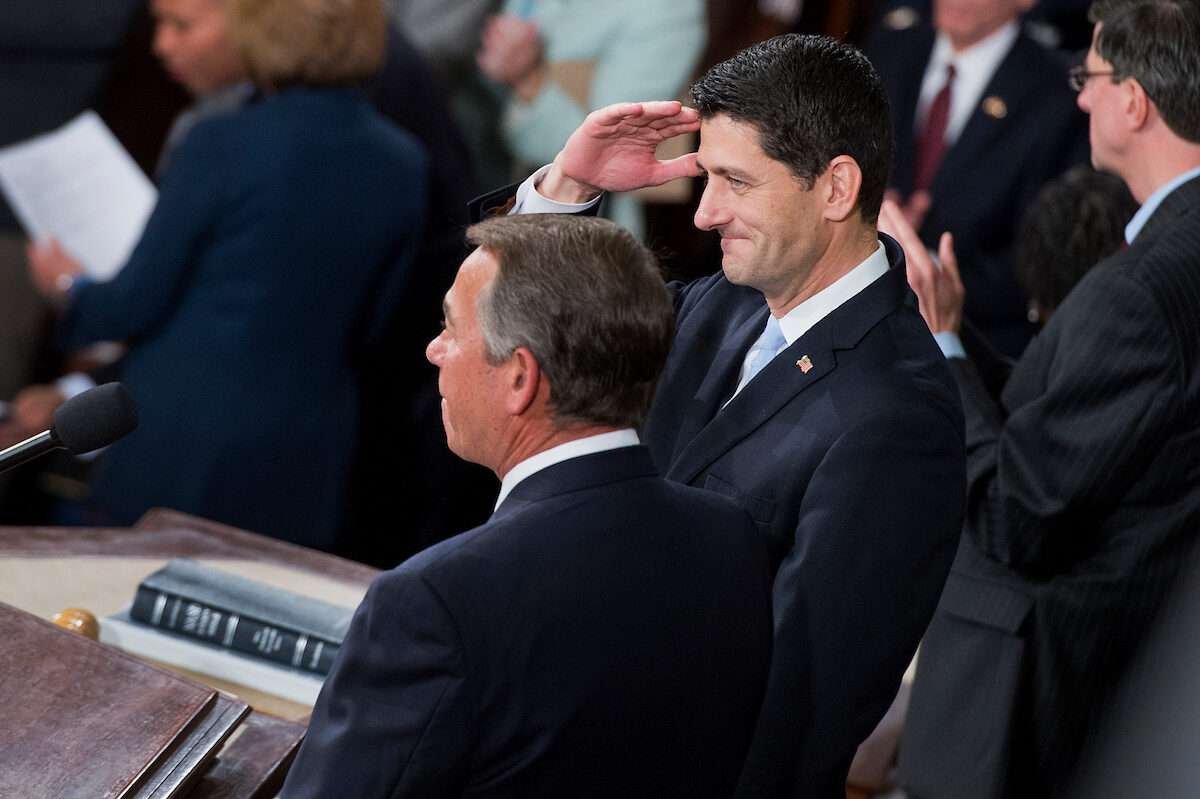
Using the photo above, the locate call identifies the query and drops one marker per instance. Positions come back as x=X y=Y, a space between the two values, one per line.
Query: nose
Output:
x=1083 y=99
x=435 y=349
x=162 y=43
x=710 y=213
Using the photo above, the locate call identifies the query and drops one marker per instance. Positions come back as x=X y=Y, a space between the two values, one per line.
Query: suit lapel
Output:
x=721 y=378
x=802 y=365
x=1004 y=93
x=771 y=389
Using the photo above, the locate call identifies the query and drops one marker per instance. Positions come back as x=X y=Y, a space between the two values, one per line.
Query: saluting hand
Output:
x=614 y=150
x=938 y=287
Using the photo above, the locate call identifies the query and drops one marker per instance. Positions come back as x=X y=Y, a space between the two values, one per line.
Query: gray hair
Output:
x=587 y=299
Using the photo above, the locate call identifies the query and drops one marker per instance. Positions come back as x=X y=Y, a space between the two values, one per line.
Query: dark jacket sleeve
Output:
x=1088 y=420
x=394 y=717
x=147 y=289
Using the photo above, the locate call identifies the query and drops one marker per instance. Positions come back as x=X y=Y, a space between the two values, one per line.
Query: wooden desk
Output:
x=46 y=569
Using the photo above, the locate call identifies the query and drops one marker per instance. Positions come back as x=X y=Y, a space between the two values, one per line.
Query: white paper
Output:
x=78 y=185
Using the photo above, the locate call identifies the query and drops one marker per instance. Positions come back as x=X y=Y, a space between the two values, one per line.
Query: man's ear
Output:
x=1137 y=105
x=843 y=180
x=523 y=381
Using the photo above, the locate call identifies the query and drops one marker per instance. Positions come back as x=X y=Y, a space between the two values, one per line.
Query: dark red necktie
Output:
x=931 y=145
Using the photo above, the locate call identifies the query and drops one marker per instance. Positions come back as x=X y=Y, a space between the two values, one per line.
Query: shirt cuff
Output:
x=78 y=283
x=74 y=384
x=951 y=344
x=529 y=201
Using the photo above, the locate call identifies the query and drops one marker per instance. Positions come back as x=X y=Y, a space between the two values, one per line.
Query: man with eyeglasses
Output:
x=1084 y=469
x=983 y=120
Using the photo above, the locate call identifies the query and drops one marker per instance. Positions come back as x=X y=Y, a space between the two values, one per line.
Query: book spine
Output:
x=231 y=630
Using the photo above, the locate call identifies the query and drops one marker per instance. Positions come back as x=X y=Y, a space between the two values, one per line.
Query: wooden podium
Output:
x=91 y=720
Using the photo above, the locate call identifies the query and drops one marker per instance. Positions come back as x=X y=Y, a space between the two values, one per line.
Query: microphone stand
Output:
x=28 y=449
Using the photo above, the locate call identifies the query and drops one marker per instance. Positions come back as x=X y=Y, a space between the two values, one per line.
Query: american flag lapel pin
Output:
x=805 y=364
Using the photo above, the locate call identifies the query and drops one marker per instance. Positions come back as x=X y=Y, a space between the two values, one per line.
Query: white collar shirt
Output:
x=1148 y=208
x=588 y=445
x=973 y=70
x=798 y=321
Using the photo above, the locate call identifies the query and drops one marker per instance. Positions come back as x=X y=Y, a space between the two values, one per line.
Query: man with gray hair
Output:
x=606 y=632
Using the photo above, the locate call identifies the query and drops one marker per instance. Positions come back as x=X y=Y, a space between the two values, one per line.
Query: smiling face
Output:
x=771 y=226
x=472 y=412
x=192 y=39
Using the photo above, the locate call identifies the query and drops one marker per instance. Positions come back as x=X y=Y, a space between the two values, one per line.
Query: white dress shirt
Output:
x=973 y=70
x=798 y=321
x=588 y=445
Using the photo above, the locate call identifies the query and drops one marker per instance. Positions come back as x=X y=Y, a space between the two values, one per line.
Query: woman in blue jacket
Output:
x=282 y=234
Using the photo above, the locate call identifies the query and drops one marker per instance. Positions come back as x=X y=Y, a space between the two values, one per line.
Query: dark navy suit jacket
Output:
x=606 y=633
x=1025 y=131
x=854 y=472
x=244 y=304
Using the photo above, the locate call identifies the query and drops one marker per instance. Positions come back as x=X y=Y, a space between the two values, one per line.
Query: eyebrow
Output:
x=723 y=171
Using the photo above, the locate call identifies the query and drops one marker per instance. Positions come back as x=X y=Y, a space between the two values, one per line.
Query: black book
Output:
x=246 y=616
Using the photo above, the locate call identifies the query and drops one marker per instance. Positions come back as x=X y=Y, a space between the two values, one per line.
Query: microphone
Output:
x=88 y=421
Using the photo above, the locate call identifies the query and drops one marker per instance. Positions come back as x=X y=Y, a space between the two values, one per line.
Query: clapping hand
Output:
x=938 y=287
x=614 y=150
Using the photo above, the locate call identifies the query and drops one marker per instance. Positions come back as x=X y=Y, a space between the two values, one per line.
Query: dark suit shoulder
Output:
x=688 y=295
x=707 y=294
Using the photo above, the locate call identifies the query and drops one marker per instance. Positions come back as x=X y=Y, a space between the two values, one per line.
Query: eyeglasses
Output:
x=1078 y=76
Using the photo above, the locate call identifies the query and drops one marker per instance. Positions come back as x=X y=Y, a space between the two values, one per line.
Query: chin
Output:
x=735 y=272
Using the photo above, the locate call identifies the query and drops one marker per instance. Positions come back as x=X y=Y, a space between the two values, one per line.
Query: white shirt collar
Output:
x=1153 y=201
x=588 y=445
x=973 y=70
x=800 y=319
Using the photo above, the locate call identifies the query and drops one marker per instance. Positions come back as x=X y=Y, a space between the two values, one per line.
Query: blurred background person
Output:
x=401 y=448
x=57 y=59
x=983 y=117
x=1076 y=221
x=278 y=234
x=448 y=37
x=560 y=59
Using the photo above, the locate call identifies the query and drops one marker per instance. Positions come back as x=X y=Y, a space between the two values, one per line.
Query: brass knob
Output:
x=78 y=620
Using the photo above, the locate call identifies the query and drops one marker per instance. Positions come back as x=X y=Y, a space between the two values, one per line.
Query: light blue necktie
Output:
x=769 y=344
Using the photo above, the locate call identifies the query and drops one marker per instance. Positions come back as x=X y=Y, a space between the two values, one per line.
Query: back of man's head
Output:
x=587 y=299
x=811 y=99
x=1156 y=42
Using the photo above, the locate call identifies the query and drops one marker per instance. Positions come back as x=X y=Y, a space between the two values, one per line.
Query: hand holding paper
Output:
x=52 y=268
x=77 y=185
